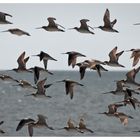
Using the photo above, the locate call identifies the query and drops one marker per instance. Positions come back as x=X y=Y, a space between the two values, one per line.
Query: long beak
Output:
x=70 y=28
x=58 y=81
x=136 y=24
x=63 y=53
x=100 y=113
x=5 y=31
x=38 y=28
x=96 y=27
x=34 y=55
x=127 y=50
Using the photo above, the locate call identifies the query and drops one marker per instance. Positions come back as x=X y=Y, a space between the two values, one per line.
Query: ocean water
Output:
x=87 y=102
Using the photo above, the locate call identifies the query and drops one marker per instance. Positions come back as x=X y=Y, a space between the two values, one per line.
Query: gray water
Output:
x=87 y=102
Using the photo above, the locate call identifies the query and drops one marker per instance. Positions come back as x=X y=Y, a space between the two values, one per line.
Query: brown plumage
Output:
x=72 y=56
x=114 y=57
x=108 y=25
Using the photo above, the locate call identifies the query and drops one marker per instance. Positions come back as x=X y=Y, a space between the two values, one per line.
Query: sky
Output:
x=29 y=16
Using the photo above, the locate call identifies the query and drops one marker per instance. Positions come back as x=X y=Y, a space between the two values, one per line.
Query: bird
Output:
x=108 y=25
x=70 y=126
x=69 y=85
x=129 y=99
x=112 y=108
x=41 y=89
x=119 y=88
x=84 y=28
x=22 y=63
x=82 y=68
x=17 y=32
x=130 y=78
x=96 y=65
x=114 y=57
x=123 y=117
x=3 y=18
x=45 y=57
x=52 y=26
x=31 y=123
x=5 y=77
x=135 y=55
x=36 y=70
x=72 y=56
x=82 y=126
x=1 y=131
x=24 y=84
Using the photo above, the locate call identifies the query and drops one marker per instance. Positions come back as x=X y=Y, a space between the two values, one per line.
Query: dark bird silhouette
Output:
x=17 y=32
x=41 y=122
x=82 y=69
x=45 y=57
x=1 y=131
x=36 y=70
x=84 y=28
x=3 y=18
x=108 y=25
x=52 y=26
x=72 y=56
x=69 y=85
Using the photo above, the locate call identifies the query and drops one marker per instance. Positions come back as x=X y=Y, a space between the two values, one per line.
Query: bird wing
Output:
x=40 y=86
x=98 y=69
x=67 y=87
x=36 y=74
x=45 y=63
x=124 y=120
x=41 y=120
x=84 y=24
x=20 y=60
x=113 y=22
x=136 y=59
x=131 y=75
x=119 y=54
x=24 y=122
x=106 y=18
x=112 y=55
x=82 y=70
x=72 y=60
x=52 y=22
x=30 y=130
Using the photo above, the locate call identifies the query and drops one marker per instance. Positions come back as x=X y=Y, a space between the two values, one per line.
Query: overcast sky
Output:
x=29 y=16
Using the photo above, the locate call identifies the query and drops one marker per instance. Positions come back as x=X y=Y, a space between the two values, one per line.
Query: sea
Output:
x=88 y=102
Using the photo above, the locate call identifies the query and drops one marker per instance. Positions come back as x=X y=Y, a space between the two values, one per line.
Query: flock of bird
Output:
x=125 y=87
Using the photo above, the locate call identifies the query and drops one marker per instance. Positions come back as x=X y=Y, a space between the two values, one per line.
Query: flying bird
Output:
x=108 y=25
x=72 y=56
x=84 y=28
x=114 y=57
x=31 y=123
x=135 y=55
x=17 y=32
x=3 y=18
x=52 y=26
x=45 y=57
x=69 y=85
x=41 y=89
x=22 y=63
